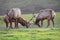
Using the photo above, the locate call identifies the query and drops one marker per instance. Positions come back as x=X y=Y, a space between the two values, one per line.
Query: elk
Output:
x=20 y=20
x=47 y=14
x=14 y=14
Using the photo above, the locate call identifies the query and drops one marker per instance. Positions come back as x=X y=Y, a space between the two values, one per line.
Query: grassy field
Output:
x=31 y=33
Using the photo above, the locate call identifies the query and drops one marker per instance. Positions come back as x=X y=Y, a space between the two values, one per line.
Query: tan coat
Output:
x=45 y=13
x=14 y=13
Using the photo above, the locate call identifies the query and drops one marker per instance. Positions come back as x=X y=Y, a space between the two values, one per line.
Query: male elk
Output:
x=20 y=20
x=14 y=14
x=48 y=14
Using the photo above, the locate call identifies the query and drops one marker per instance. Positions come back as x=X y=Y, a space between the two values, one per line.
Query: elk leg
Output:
x=6 y=22
x=11 y=24
x=6 y=25
x=16 y=23
x=41 y=23
x=38 y=24
x=52 y=21
x=48 y=23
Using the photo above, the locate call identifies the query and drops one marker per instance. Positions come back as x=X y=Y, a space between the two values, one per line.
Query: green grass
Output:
x=31 y=33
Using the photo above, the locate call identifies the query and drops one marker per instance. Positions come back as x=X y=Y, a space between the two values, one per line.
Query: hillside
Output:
x=28 y=5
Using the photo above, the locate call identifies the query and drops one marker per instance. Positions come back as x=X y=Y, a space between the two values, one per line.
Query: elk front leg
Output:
x=52 y=21
x=10 y=24
x=48 y=23
x=41 y=23
x=6 y=25
x=16 y=23
x=38 y=25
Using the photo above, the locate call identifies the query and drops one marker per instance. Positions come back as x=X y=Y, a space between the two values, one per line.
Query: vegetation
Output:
x=27 y=6
x=31 y=33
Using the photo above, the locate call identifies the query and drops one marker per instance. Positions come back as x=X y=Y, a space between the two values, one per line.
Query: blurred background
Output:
x=28 y=6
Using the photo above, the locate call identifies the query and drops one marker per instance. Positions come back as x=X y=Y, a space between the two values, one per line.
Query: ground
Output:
x=31 y=33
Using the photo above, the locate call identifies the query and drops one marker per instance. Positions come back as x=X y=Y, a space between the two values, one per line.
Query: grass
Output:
x=31 y=33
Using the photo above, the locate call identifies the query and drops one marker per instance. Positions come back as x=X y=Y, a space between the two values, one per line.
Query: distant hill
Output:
x=28 y=6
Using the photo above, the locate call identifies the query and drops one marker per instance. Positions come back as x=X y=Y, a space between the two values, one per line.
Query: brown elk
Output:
x=14 y=14
x=48 y=14
x=22 y=21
